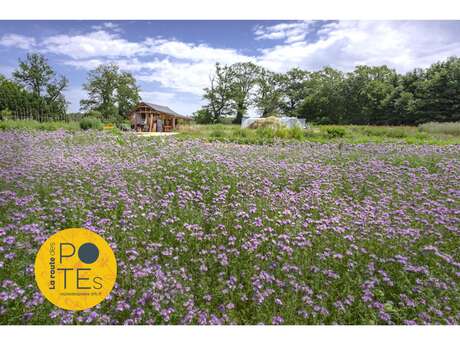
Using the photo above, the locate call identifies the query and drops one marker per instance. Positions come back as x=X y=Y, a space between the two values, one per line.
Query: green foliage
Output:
x=94 y=113
x=244 y=78
x=90 y=122
x=268 y=97
x=227 y=120
x=217 y=133
x=111 y=92
x=335 y=132
x=296 y=133
x=203 y=116
x=294 y=91
x=37 y=76
x=124 y=126
x=5 y=114
x=369 y=95
x=218 y=95
x=230 y=92
x=390 y=132
x=34 y=93
x=34 y=73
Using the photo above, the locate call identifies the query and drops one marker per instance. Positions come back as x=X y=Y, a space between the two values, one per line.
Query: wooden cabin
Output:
x=148 y=117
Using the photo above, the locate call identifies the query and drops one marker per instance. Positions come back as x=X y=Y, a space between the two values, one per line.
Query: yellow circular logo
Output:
x=75 y=269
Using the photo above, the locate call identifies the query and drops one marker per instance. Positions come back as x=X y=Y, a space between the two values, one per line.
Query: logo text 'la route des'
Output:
x=75 y=269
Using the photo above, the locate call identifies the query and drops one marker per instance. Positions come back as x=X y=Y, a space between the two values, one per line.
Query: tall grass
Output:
x=90 y=122
x=451 y=128
x=321 y=134
x=35 y=125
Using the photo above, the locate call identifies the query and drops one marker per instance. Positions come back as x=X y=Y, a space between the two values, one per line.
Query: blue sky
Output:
x=172 y=60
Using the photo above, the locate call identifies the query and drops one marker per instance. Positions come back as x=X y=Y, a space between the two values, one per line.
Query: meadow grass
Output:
x=321 y=134
x=430 y=133
x=452 y=128
x=36 y=125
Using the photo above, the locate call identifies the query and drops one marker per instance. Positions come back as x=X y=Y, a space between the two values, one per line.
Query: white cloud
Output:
x=17 y=41
x=173 y=64
x=288 y=32
x=400 y=45
x=189 y=77
x=130 y=65
x=182 y=66
x=108 y=26
x=93 y=44
x=194 y=52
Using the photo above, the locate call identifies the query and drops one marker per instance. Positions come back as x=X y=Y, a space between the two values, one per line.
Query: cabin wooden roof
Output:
x=162 y=109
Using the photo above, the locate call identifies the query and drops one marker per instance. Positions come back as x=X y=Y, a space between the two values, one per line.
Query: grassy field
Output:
x=429 y=133
x=437 y=134
x=41 y=126
x=221 y=233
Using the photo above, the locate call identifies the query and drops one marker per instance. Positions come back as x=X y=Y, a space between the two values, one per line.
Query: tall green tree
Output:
x=36 y=75
x=127 y=93
x=294 y=91
x=324 y=102
x=12 y=96
x=218 y=96
x=244 y=78
x=367 y=91
x=269 y=93
x=110 y=92
x=438 y=93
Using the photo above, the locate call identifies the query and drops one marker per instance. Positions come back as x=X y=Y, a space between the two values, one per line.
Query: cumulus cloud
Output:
x=93 y=44
x=189 y=77
x=194 y=52
x=17 y=41
x=288 y=32
x=345 y=44
x=182 y=66
x=178 y=65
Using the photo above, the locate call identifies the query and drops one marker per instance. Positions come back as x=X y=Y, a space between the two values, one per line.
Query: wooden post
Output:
x=150 y=122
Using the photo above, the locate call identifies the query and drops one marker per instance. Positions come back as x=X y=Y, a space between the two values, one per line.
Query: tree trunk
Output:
x=239 y=114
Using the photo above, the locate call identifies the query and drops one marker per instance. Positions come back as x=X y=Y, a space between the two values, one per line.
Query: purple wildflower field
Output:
x=219 y=233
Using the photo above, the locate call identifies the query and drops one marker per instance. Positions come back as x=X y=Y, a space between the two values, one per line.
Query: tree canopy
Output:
x=111 y=92
x=34 y=91
x=374 y=95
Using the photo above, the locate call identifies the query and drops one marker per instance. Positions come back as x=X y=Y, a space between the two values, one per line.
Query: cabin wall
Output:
x=150 y=124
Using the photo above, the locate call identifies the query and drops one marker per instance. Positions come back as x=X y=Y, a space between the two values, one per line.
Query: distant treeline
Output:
x=367 y=95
